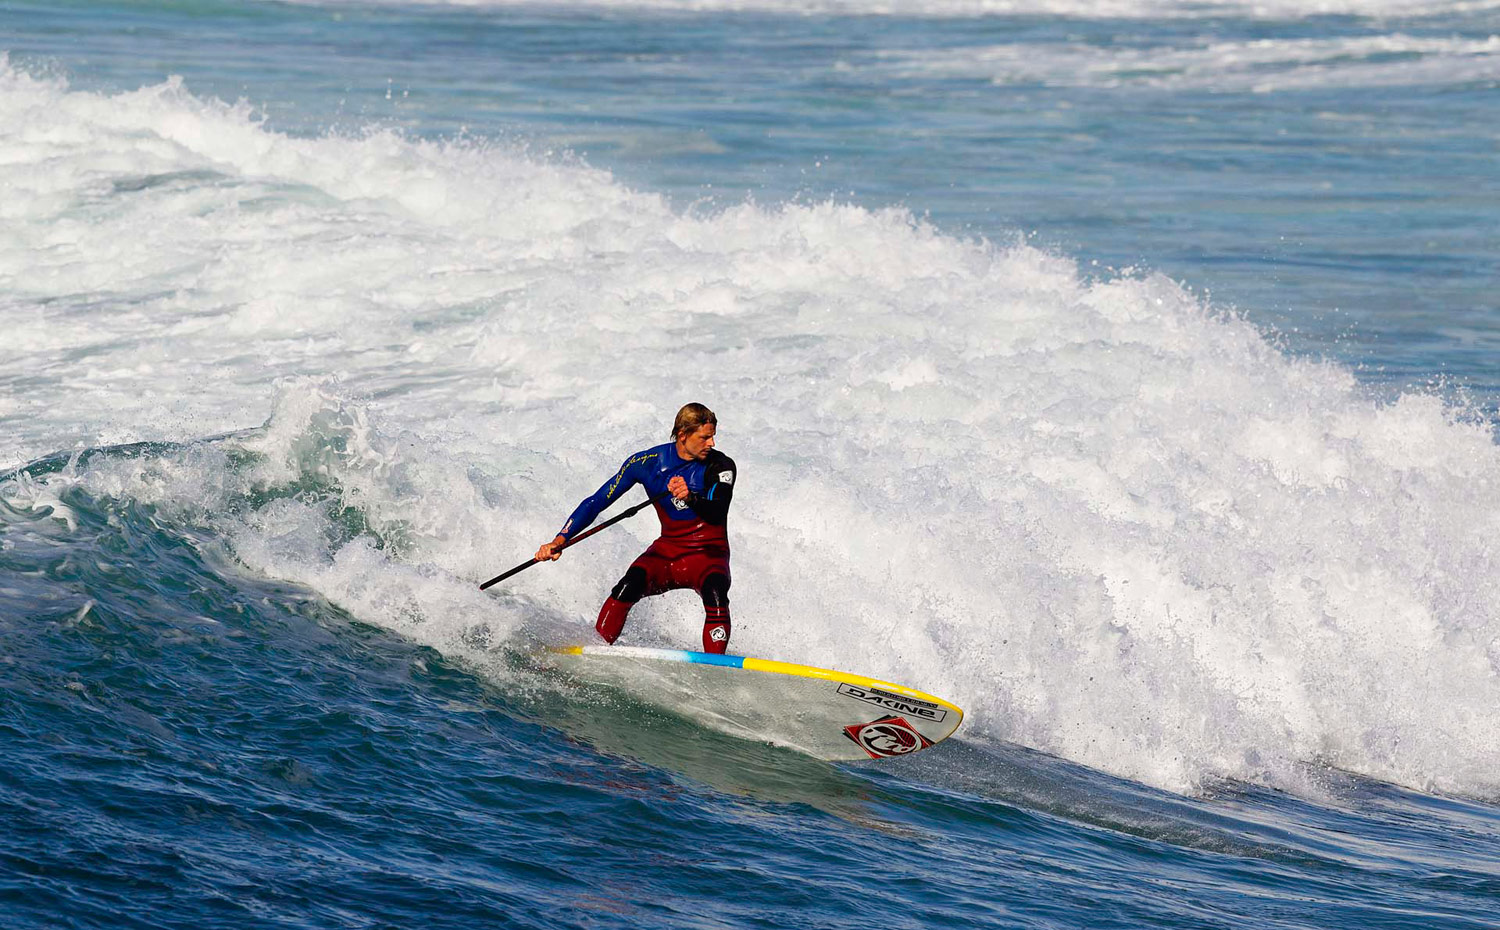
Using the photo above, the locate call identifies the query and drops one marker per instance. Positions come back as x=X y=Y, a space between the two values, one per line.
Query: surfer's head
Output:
x=694 y=430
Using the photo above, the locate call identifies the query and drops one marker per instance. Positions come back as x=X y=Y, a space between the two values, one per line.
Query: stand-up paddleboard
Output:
x=831 y=715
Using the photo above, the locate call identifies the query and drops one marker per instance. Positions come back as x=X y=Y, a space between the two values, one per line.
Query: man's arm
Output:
x=718 y=490
x=590 y=507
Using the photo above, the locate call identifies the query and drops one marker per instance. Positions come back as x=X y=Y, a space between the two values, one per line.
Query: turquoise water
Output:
x=1124 y=374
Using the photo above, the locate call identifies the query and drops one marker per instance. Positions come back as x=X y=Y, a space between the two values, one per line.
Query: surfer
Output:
x=691 y=484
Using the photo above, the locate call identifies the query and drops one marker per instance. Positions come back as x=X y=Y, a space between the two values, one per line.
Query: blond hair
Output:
x=690 y=418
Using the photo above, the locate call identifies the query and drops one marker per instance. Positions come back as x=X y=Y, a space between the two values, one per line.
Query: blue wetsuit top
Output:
x=700 y=518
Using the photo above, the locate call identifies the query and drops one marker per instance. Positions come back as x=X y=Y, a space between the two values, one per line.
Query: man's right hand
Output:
x=551 y=551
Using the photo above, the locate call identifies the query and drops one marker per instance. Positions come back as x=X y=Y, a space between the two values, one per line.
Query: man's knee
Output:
x=632 y=587
x=715 y=590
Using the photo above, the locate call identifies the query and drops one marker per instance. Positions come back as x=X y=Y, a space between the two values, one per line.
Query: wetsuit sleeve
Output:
x=718 y=490
x=612 y=490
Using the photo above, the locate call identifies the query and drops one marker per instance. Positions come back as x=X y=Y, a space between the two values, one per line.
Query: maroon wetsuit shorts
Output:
x=669 y=565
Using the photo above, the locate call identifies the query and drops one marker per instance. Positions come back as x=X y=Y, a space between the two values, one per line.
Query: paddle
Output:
x=580 y=537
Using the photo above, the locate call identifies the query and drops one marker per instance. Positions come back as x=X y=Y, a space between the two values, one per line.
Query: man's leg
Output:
x=715 y=593
x=612 y=615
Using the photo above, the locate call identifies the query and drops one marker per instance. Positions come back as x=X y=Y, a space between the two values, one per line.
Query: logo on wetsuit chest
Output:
x=679 y=504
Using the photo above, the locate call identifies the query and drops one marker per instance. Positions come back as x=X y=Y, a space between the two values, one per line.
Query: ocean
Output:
x=1123 y=372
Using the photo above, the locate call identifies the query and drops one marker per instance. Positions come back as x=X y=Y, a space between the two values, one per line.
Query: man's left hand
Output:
x=678 y=488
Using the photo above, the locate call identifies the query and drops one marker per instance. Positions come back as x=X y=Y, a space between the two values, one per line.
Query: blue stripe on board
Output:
x=708 y=658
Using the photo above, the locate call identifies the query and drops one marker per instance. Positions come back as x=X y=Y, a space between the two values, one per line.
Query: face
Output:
x=697 y=444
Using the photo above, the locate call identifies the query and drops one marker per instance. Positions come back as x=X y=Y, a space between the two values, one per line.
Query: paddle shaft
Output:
x=630 y=512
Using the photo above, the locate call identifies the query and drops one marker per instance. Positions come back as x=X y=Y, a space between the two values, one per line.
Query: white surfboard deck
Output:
x=832 y=715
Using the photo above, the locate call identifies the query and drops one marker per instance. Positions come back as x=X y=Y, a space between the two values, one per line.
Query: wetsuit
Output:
x=693 y=549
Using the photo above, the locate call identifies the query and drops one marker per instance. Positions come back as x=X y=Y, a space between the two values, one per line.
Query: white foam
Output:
x=1260 y=66
x=1110 y=522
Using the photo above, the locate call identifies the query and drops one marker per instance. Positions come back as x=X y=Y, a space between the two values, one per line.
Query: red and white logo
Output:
x=888 y=736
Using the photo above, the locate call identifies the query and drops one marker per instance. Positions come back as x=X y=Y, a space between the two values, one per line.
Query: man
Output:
x=692 y=484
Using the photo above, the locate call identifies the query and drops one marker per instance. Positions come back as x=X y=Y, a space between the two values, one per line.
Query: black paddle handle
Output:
x=579 y=538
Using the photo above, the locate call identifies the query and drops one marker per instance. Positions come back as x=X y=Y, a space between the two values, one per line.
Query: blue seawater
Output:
x=1124 y=372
